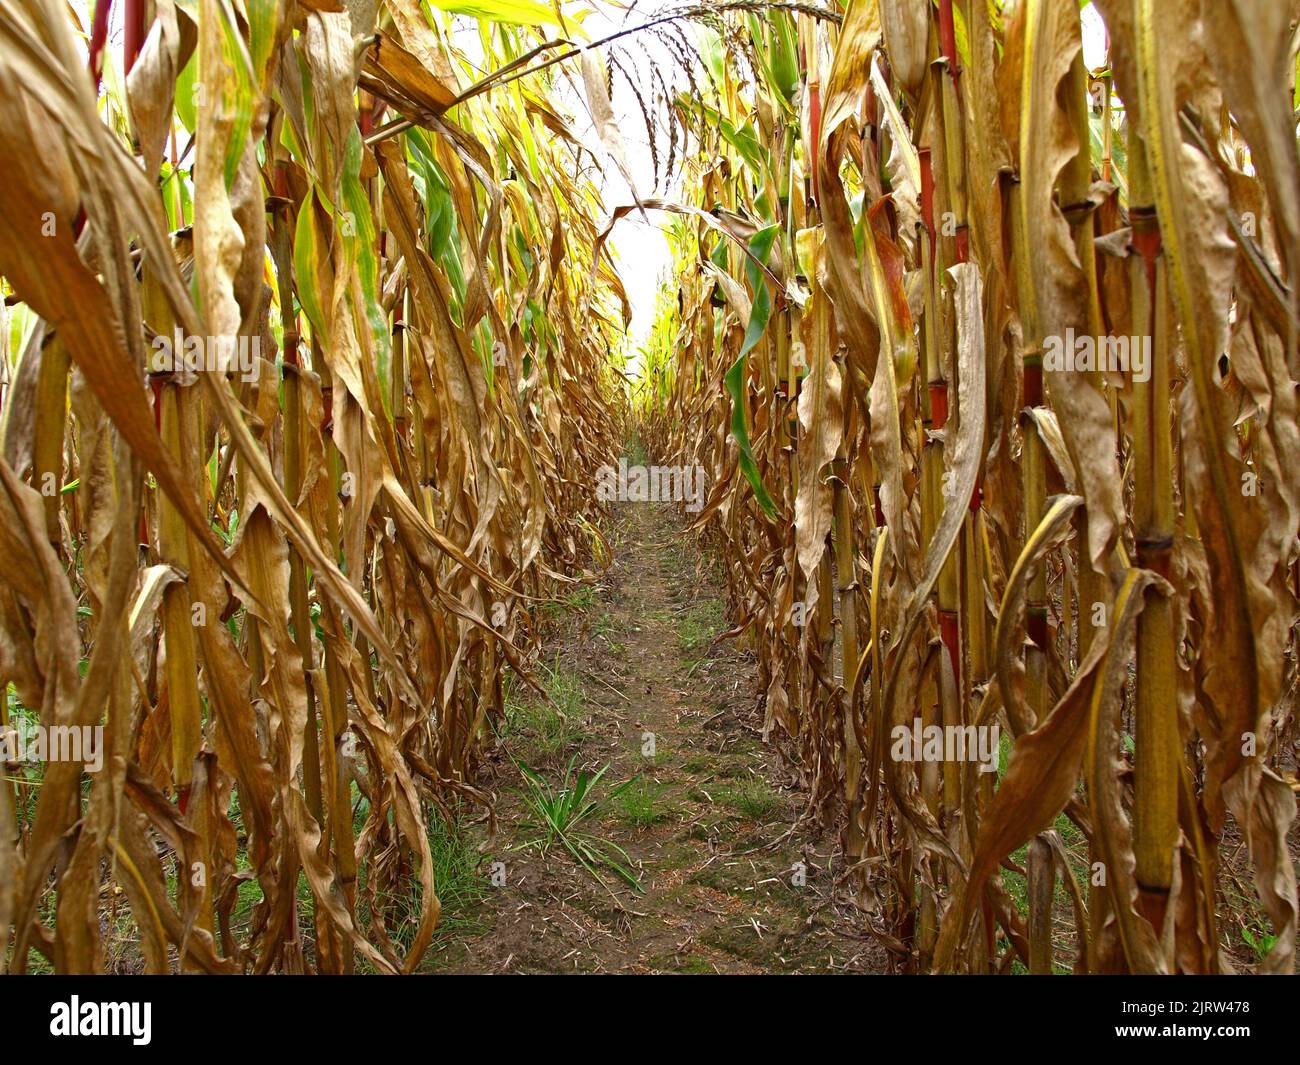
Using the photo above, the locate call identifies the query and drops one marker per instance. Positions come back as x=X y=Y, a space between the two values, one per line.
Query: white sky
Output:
x=640 y=248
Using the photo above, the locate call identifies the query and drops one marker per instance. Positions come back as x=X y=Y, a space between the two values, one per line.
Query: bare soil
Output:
x=711 y=822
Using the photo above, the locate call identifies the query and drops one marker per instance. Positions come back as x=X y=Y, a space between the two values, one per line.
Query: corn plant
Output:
x=991 y=355
x=306 y=368
x=982 y=320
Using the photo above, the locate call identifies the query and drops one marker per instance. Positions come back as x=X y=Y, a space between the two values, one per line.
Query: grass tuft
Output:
x=752 y=798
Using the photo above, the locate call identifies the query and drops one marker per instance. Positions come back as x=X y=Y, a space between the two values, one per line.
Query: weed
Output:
x=560 y=812
x=752 y=797
x=700 y=624
x=1259 y=941
x=548 y=726
x=642 y=804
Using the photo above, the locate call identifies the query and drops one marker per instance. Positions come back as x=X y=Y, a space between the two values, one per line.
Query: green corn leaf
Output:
x=761 y=248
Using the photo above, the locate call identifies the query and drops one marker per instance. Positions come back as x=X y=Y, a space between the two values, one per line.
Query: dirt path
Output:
x=706 y=820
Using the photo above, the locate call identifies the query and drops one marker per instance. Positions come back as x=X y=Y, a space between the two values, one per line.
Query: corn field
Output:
x=978 y=318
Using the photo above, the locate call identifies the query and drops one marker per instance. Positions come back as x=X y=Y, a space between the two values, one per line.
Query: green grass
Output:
x=544 y=728
x=715 y=767
x=635 y=452
x=752 y=798
x=22 y=778
x=1076 y=850
x=642 y=804
x=581 y=598
x=700 y=624
x=461 y=885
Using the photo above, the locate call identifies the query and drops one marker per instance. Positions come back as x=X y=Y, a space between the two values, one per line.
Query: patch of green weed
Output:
x=546 y=727
x=642 y=804
x=752 y=798
x=700 y=624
